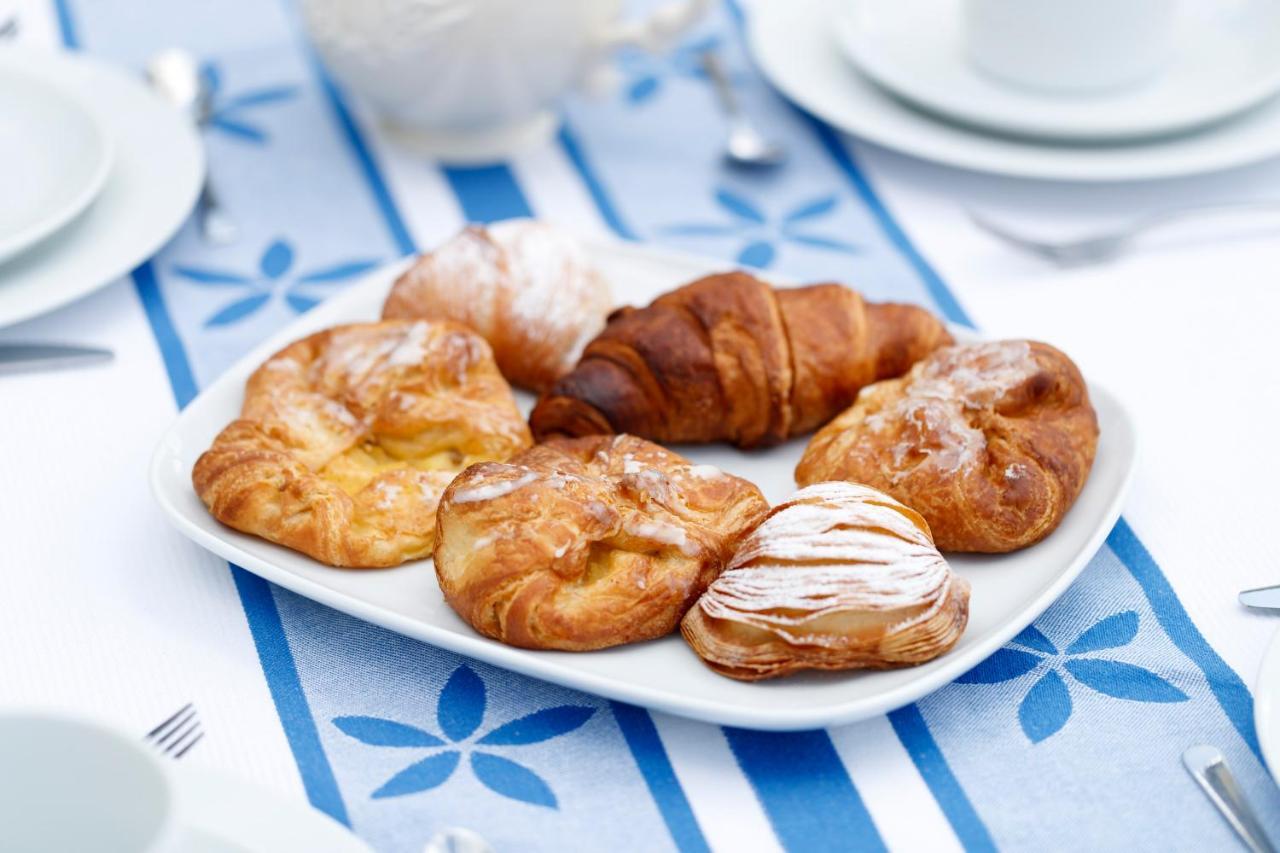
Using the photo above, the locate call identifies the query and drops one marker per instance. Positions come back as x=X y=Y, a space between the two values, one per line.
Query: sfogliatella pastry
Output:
x=990 y=442
x=839 y=576
x=585 y=543
x=528 y=289
x=729 y=358
x=347 y=438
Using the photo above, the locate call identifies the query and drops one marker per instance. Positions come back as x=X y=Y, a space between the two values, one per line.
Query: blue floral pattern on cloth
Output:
x=646 y=74
x=762 y=234
x=459 y=712
x=271 y=280
x=228 y=113
x=1047 y=705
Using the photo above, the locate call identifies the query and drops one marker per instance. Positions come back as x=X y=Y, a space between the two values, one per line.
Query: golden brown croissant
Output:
x=525 y=287
x=730 y=358
x=839 y=576
x=585 y=543
x=348 y=437
x=990 y=442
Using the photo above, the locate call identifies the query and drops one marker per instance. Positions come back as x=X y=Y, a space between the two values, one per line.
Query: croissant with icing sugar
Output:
x=525 y=287
x=838 y=576
x=729 y=358
x=586 y=543
x=990 y=442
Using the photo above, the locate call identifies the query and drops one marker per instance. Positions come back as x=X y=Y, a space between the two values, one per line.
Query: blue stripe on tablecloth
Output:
x=805 y=790
x=908 y=723
x=488 y=193
x=1231 y=692
x=651 y=757
x=255 y=594
x=608 y=211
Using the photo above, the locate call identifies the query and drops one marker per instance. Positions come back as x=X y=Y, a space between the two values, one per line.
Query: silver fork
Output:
x=178 y=733
x=1109 y=244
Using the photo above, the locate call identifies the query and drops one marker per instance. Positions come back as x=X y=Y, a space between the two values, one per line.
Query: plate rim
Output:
x=851 y=36
x=546 y=668
x=976 y=156
x=33 y=233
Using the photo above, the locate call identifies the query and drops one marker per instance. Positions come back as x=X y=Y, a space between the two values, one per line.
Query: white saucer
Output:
x=152 y=186
x=795 y=47
x=1226 y=58
x=1266 y=706
x=223 y=814
x=54 y=159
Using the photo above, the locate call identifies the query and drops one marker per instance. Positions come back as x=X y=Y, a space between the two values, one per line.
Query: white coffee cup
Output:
x=471 y=80
x=70 y=784
x=1070 y=46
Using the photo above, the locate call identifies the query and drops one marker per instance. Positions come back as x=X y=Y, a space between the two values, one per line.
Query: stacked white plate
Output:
x=896 y=74
x=97 y=173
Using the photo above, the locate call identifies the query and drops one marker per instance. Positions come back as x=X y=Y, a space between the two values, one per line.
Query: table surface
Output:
x=1069 y=738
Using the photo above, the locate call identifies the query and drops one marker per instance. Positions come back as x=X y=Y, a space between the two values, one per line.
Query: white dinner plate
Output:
x=1266 y=706
x=222 y=814
x=1008 y=591
x=150 y=189
x=795 y=46
x=1226 y=58
x=54 y=159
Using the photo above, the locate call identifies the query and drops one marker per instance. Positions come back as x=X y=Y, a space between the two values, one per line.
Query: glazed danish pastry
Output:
x=347 y=438
x=990 y=442
x=839 y=576
x=525 y=287
x=585 y=543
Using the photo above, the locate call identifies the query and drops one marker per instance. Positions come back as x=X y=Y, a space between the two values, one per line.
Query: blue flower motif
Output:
x=647 y=74
x=227 y=113
x=1046 y=707
x=748 y=222
x=257 y=290
x=459 y=713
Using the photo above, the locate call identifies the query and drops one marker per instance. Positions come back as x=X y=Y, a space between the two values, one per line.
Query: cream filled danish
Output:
x=839 y=576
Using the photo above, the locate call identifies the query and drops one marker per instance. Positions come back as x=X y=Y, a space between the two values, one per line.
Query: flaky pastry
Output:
x=525 y=287
x=839 y=576
x=990 y=442
x=347 y=438
x=585 y=543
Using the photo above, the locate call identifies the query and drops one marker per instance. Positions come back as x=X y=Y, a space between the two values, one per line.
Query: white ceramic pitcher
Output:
x=472 y=80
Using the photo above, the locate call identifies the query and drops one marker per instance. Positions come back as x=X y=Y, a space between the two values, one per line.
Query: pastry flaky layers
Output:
x=729 y=358
x=990 y=442
x=839 y=576
x=585 y=543
x=525 y=287
x=347 y=438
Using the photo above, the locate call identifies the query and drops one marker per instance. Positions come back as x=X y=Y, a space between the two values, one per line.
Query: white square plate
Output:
x=1009 y=591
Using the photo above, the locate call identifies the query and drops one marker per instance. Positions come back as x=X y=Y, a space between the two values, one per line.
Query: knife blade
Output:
x=1262 y=598
x=23 y=358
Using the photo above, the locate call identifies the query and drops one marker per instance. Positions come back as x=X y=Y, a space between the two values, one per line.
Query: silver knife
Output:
x=23 y=358
x=1263 y=598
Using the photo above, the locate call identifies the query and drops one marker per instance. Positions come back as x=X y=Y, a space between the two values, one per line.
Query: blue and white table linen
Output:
x=1068 y=738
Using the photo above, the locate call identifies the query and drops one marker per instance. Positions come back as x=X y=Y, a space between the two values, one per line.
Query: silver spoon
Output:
x=1207 y=766
x=1105 y=246
x=175 y=75
x=746 y=146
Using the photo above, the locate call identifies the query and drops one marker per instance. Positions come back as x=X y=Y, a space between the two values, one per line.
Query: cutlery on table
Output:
x=25 y=358
x=1107 y=245
x=178 y=733
x=1262 y=598
x=1207 y=766
x=746 y=146
x=175 y=74
x=457 y=839
x=9 y=27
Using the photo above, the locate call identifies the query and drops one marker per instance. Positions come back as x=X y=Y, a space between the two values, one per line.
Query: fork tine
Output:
x=187 y=748
x=193 y=728
x=178 y=727
x=165 y=724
